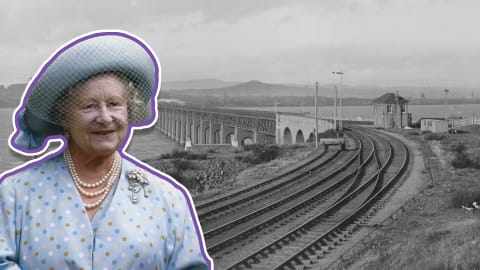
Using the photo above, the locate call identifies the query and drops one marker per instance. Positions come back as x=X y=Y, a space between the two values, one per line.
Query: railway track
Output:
x=296 y=218
x=271 y=193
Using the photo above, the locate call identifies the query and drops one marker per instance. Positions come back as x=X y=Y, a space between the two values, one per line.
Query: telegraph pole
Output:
x=316 y=116
x=341 y=97
x=446 y=105
x=335 y=110
x=275 y=104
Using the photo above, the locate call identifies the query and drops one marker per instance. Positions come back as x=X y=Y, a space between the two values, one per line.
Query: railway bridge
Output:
x=197 y=125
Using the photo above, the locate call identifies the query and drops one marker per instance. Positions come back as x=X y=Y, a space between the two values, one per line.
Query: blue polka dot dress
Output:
x=43 y=224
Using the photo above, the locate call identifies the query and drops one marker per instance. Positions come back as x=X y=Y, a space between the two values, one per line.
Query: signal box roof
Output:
x=390 y=98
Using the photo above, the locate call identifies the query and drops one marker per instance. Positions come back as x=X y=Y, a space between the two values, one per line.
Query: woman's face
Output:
x=96 y=116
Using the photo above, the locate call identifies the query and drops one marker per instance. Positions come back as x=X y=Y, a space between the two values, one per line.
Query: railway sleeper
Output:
x=315 y=258
x=292 y=218
x=312 y=250
x=290 y=265
x=307 y=263
x=338 y=233
x=321 y=228
x=229 y=251
x=339 y=240
x=253 y=239
x=274 y=227
x=334 y=241
x=316 y=246
x=319 y=250
x=290 y=238
x=365 y=220
x=314 y=254
x=328 y=248
x=345 y=235
x=352 y=228
x=265 y=254
x=368 y=214
x=375 y=209
x=327 y=239
x=253 y=260
x=272 y=250
x=361 y=222
x=298 y=267
x=302 y=232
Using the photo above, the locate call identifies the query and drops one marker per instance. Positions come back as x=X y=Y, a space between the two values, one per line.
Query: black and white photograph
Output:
x=209 y=134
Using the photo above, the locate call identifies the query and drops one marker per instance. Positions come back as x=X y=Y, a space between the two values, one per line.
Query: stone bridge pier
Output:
x=299 y=128
x=236 y=127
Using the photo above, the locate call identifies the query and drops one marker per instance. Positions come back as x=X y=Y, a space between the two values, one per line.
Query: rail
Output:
x=307 y=201
x=346 y=223
x=372 y=183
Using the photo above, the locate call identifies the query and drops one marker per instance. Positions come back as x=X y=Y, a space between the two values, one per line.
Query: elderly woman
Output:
x=90 y=206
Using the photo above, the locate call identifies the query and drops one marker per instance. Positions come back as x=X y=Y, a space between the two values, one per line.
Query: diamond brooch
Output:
x=137 y=180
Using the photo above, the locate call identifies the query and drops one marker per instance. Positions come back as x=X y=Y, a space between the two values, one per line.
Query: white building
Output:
x=434 y=125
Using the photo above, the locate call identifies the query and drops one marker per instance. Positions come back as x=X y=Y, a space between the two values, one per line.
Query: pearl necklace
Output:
x=111 y=175
x=68 y=158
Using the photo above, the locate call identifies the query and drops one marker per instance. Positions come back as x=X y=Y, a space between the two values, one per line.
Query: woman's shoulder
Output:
x=33 y=171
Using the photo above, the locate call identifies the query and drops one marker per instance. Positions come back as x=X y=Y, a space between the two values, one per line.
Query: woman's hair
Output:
x=137 y=110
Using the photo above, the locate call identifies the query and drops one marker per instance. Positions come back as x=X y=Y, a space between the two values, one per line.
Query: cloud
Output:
x=273 y=40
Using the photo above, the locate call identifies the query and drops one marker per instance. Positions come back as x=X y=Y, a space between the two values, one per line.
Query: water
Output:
x=152 y=143
x=366 y=112
x=145 y=144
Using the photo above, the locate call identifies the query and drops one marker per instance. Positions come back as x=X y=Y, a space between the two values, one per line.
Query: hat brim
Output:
x=81 y=60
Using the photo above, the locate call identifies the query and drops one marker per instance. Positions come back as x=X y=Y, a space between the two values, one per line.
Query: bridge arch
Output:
x=229 y=138
x=299 y=139
x=206 y=136
x=311 y=138
x=287 y=136
x=299 y=122
x=216 y=137
x=212 y=126
x=199 y=131
x=248 y=141
x=175 y=128
x=191 y=132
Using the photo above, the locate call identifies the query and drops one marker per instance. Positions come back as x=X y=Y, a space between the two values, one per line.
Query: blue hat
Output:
x=74 y=64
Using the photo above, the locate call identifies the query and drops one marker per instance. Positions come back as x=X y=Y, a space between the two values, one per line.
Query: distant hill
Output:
x=214 y=87
x=258 y=88
x=257 y=93
x=251 y=88
x=217 y=92
x=196 y=84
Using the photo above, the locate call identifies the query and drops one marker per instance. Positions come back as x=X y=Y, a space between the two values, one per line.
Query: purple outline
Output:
x=126 y=140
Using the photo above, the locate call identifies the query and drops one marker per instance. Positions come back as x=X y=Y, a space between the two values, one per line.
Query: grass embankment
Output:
x=441 y=228
x=207 y=172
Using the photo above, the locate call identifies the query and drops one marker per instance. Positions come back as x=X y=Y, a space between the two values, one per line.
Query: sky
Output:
x=374 y=42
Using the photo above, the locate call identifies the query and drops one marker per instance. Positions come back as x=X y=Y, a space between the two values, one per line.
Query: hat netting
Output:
x=54 y=95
